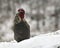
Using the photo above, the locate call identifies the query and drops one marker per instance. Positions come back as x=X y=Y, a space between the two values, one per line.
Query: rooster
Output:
x=21 y=27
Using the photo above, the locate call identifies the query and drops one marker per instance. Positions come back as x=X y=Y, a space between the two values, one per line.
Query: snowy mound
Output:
x=50 y=40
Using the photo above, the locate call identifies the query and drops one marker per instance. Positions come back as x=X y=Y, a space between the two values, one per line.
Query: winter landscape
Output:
x=49 y=40
x=43 y=16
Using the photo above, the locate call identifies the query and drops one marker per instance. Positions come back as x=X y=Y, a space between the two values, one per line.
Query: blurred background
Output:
x=43 y=16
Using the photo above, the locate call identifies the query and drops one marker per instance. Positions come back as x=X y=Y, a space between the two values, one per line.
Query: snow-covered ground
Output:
x=49 y=40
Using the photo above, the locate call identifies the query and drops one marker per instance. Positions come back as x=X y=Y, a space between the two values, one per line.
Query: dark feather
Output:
x=21 y=31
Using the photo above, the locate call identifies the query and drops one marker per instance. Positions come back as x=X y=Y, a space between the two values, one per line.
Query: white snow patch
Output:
x=50 y=40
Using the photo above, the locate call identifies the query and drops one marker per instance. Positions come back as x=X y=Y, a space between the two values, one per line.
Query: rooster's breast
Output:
x=21 y=31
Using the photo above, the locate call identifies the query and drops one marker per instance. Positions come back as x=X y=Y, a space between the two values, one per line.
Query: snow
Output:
x=49 y=40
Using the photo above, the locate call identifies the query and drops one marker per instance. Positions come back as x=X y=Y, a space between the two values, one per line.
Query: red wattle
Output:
x=21 y=16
